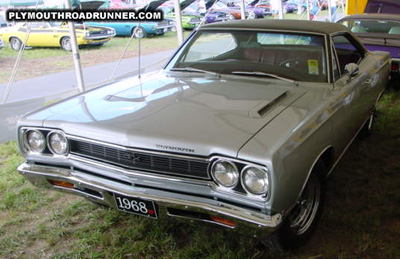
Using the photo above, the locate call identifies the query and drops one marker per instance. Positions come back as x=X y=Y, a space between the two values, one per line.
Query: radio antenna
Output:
x=140 y=52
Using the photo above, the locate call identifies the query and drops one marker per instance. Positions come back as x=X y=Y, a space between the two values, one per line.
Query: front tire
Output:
x=139 y=32
x=302 y=221
x=16 y=44
x=66 y=43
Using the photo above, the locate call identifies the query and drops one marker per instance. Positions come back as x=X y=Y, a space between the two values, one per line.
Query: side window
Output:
x=38 y=25
x=347 y=51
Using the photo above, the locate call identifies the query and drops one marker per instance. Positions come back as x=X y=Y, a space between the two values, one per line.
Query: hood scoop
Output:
x=261 y=109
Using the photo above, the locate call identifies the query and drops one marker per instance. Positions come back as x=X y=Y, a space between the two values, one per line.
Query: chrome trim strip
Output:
x=39 y=175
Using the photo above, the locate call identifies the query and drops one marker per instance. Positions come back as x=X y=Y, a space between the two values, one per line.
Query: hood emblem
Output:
x=132 y=157
x=176 y=149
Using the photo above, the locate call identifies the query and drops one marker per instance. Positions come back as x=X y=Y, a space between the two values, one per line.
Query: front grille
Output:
x=99 y=33
x=158 y=163
x=164 y=23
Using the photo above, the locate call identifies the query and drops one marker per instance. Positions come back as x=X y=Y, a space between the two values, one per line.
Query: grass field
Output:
x=361 y=218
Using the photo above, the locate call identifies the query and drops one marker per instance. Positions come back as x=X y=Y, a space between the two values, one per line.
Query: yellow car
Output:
x=54 y=34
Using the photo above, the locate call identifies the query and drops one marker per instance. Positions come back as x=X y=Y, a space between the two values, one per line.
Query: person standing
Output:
x=332 y=4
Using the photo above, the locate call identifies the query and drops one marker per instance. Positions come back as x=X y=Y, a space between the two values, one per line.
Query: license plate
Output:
x=135 y=206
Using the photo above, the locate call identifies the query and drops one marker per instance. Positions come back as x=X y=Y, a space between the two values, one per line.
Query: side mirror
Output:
x=352 y=69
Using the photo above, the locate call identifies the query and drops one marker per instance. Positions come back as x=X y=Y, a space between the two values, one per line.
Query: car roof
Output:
x=282 y=25
x=377 y=16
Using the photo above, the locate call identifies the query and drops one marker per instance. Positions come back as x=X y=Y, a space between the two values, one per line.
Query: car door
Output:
x=41 y=34
x=353 y=93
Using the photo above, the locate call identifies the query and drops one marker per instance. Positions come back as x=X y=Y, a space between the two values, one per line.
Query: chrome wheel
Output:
x=66 y=43
x=139 y=32
x=15 y=43
x=303 y=219
x=307 y=207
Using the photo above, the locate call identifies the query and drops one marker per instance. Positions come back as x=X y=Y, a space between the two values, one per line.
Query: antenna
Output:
x=140 y=51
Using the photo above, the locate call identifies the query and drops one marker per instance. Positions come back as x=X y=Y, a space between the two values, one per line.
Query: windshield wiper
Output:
x=192 y=69
x=258 y=73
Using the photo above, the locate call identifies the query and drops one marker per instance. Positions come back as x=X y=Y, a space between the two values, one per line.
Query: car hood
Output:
x=190 y=112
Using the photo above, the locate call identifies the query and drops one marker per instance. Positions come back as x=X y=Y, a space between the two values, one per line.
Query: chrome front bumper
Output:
x=170 y=204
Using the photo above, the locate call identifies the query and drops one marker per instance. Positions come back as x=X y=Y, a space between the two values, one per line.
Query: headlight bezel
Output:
x=51 y=148
x=239 y=189
x=25 y=149
x=27 y=146
x=222 y=160
x=243 y=182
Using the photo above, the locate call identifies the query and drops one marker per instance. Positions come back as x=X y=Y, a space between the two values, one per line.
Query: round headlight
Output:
x=35 y=141
x=255 y=180
x=57 y=143
x=225 y=173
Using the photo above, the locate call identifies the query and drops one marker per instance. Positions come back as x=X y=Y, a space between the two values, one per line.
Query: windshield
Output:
x=300 y=57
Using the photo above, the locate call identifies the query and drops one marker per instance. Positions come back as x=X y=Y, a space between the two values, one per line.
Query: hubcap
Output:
x=307 y=207
x=66 y=44
x=139 y=32
x=16 y=44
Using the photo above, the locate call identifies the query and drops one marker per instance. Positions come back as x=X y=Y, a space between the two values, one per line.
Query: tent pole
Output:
x=242 y=10
x=75 y=52
x=178 y=21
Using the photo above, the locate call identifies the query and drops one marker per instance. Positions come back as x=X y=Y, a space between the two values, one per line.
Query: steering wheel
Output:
x=290 y=62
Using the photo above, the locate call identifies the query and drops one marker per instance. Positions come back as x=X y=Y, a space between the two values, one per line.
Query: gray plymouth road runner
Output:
x=239 y=129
